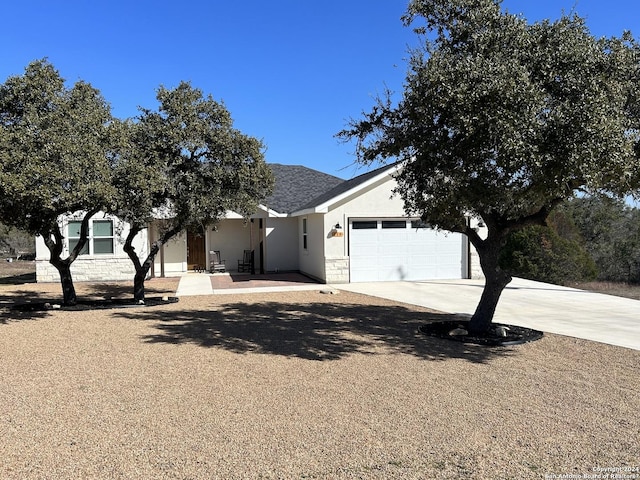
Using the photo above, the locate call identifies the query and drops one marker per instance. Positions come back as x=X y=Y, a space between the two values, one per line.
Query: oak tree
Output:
x=504 y=120
x=184 y=165
x=54 y=159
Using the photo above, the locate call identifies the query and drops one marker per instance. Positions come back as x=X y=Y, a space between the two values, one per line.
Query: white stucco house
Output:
x=330 y=229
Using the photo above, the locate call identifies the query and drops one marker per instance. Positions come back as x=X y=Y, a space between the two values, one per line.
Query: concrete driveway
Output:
x=546 y=307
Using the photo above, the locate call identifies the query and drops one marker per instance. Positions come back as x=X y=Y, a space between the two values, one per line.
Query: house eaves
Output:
x=272 y=213
x=346 y=189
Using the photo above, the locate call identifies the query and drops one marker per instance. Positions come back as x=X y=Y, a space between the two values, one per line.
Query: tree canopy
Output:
x=54 y=158
x=184 y=165
x=504 y=120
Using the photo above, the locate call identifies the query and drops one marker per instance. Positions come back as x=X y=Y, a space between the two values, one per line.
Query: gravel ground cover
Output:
x=300 y=385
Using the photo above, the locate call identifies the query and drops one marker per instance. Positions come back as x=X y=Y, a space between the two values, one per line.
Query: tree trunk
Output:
x=142 y=268
x=141 y=273
x=483 y=317
x=496 y=280
x=138 y=286
x=68 y=290
x=55 y=246
x=489 y=249
x=66 y=280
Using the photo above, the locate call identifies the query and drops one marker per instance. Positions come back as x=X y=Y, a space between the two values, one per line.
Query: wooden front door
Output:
x=196 y=253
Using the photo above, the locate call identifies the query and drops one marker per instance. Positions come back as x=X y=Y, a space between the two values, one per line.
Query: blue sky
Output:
x=291 y=72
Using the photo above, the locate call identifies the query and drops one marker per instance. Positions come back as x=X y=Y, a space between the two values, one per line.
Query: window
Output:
x=394 y=224
x=365 y=225
x=102 y=236
x=304 y=233
x=100 y=240
x=74 y=237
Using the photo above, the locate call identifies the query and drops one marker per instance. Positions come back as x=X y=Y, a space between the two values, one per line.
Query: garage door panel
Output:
x=390 y=254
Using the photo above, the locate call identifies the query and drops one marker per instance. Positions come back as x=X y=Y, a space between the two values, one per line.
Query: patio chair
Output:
x=245 y=265
x=217 y=264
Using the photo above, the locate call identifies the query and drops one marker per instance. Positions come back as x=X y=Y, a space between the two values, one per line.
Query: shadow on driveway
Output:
x=312 y=331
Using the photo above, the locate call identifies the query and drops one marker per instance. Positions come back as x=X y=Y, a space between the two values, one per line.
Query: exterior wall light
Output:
x=336 y=231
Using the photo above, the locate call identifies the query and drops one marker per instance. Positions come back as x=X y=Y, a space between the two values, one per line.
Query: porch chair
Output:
x=216 y=264
x=246 y=263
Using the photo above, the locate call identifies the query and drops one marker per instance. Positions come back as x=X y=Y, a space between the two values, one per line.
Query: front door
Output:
x=196 y=253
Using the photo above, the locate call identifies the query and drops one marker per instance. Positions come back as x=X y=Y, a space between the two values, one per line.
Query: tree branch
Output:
x=84 y=235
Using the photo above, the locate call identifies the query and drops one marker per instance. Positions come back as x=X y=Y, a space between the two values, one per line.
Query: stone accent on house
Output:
x=89 y=269
x=476 y=270
x=337 y=270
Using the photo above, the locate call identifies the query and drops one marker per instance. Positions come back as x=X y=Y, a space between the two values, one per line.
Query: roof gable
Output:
x=347 y=187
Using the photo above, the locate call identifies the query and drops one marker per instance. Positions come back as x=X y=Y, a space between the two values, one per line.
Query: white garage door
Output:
x=386 y=250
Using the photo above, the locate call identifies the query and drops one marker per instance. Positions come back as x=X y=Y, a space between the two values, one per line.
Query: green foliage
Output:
x=587 y=237
x=53 y=148
x=611 y=232
x=504 y=120
x=539 y=253
x=186 y=165
x=187 y=159
x=54 y=158
x=14 y=241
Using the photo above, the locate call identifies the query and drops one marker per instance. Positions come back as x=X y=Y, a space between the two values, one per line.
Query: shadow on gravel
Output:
x=22 y=297
x=123 y=290
x=312 y=331
x=18 y=279
x=22 y=304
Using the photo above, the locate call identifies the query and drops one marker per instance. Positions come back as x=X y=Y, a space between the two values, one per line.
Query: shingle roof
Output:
x=343 y=187
x=295 y=185
x=299 y=188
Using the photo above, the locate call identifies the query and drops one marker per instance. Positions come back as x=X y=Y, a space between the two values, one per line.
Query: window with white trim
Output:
x=100 y=240
x=304 y=233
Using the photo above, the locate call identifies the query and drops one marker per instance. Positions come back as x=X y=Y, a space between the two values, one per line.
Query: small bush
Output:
x=539 y=253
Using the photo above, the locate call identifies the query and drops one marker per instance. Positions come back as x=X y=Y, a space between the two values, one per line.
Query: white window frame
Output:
x=305 y=235
x=89 y=249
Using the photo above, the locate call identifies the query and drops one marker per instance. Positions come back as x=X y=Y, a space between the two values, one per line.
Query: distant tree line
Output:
x=14 y=242
x=586 y=238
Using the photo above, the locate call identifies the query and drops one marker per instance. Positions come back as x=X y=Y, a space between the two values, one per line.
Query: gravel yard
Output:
x=299 y=385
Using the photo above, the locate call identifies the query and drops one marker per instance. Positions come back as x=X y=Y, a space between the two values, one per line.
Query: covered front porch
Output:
x=272 y=241
x=230 y=238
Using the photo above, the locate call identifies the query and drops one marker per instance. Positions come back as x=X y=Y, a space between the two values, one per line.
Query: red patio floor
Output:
x=244 y=280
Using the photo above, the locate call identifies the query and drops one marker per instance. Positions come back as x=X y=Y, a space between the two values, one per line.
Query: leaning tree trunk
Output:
x=56 y=246
x=141 y=272
x=142 y=268
x=496 y=280
x=489 y=249
x=68 y=290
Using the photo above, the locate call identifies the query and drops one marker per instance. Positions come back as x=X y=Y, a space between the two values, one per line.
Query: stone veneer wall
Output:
x=89 y=269
x=476 y=270
x=337 y=270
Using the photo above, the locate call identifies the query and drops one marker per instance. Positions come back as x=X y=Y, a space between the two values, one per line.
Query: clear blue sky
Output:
x=291 y=72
